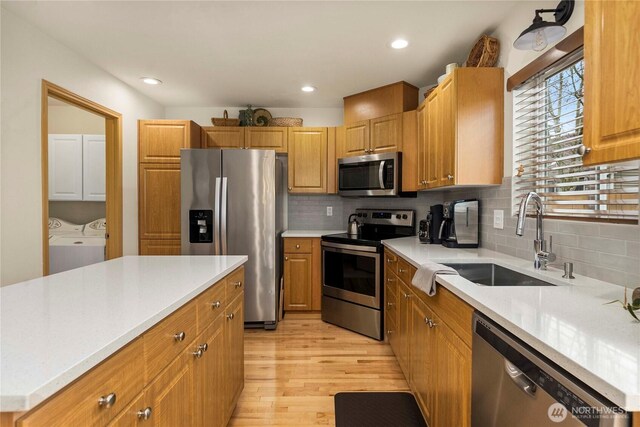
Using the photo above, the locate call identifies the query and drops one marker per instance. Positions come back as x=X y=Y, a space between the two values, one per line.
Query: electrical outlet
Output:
x=498 y=219
x=329 y=210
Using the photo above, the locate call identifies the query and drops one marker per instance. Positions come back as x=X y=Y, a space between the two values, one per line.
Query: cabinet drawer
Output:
x=120 y=376
x=295 y=245
x=169 y=338
x=454 y=312
x=210 y=305
x=235 y=284
x=391 y=261
x=405 y=271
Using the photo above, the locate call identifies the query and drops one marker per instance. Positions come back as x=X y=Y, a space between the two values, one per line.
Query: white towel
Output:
x=425 y=277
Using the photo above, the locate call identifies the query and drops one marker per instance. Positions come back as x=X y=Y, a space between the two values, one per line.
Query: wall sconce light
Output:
x=538 y=36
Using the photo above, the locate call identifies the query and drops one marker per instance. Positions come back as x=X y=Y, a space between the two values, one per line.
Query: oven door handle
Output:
x=381 y=174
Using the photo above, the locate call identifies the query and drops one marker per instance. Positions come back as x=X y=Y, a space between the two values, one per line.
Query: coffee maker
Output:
x=460 y=225
x=430 y=228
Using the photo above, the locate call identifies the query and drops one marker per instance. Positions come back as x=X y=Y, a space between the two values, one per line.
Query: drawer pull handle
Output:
x=407 y=295
x=297 y=246
x=215 y=305
x=107 y=401
x=389 y=332
x=179 y=337
x=390 y=261
x=390 y=280
x=431 y=323
x=230 y=316
x=390 y=304
x=401 y=270
x=144 y=414
x=237 y=284
x=204 y=347
x=198 y=353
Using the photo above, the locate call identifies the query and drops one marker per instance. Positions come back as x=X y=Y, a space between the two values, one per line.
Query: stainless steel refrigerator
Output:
x=233 y=202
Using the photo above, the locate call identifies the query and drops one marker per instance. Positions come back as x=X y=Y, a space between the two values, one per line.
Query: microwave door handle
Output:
x=381 y=174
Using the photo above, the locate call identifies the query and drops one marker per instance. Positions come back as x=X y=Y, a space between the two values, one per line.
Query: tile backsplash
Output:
x=609 y=252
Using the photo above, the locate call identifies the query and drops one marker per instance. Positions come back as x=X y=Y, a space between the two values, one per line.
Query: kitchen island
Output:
x=569 y=323
x=108 y=340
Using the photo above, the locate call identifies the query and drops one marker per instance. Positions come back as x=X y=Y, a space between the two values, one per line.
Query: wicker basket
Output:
x=225 y=121
x=484 y=53
x=285 y=121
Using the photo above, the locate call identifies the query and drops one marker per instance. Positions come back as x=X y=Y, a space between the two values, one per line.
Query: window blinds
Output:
x=548 y=120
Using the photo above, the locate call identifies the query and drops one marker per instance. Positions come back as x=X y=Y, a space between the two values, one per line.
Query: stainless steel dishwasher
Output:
x=513 y=385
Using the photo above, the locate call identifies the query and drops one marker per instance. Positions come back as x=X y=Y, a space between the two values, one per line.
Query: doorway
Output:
x=81 y=180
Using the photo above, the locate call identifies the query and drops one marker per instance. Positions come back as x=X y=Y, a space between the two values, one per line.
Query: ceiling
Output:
x=236 y=53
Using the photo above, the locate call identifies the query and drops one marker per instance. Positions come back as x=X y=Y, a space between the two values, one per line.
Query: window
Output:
x=548 y=115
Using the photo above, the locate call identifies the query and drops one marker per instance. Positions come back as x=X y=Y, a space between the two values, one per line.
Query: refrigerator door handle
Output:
x=216 y=218
x=223 y=217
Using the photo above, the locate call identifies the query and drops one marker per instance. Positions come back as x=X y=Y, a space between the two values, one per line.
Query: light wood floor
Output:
x=292 y=374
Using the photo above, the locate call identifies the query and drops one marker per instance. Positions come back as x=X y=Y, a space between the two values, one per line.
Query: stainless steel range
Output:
x=352 y=288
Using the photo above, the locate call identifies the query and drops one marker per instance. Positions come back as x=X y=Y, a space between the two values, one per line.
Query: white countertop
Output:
x=310 y=233
x=54 y=329
x=569 y=323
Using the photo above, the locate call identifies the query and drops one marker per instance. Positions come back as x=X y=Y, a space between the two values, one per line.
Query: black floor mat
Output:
x=377 y=409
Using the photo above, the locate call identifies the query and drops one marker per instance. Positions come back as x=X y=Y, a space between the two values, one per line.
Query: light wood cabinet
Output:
x=463 y=128
x=386 y=134
x=308 y=160
x=194 y=380
x=410 y=154
x=223 y=137
x=422 y=134
x=380 y=135
x=160 y=247
x=267 y=138
x=302 y=274
x=234 y=353
x=611 y=75
x=297 y=282
x=159 y=201
x=380 y=102
x=209 y=376
x=356 y=141
x=160 y=141
x=433 y=141
x=432 y=344
x=159 y=144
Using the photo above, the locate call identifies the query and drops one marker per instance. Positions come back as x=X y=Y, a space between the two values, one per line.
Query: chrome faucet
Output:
x=541 y=256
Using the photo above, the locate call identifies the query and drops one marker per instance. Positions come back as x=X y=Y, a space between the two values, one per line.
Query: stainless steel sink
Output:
x=495 y=275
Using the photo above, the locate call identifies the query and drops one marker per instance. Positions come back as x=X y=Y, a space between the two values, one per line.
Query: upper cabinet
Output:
x=380 y=102
x=160 y=141
x=380 y=135
x=77 y=167
x=612 y=73
x=308 y=160
x=264 y=138
x=460 y=130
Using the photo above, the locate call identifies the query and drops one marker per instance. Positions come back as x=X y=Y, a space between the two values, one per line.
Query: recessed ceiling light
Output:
x=399 y=44
x=151 y=80
x=308 y=88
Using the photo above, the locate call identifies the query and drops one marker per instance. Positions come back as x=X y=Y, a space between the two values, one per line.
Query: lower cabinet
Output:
x=431 y=338
x=234 y=357
x=302 y=274
x=187 y=370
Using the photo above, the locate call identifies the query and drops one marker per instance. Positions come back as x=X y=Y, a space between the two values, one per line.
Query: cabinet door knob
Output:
x=389 y=332
x=390 y=280
x=215 y=305
x=290 y=188
x=449 y=177
x=390 y=304
x=107 y=401
x=237 y=284
x=204 y=347
x=286 y=258
x=297 y=246
x=179 y=337
x=402 y=270
x=144 y=414
x=197 y=354
x=390 y=261
x=230 y=316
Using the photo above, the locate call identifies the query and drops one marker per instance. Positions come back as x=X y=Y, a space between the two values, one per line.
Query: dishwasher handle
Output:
x=520 y=379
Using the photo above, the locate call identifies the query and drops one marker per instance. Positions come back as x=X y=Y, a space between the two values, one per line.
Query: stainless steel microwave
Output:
x=370 y=175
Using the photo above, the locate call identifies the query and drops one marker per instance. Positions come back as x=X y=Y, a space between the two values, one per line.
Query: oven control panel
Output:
x=404 y=218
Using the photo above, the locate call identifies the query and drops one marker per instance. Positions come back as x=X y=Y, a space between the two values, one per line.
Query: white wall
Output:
x=311 y=116
x=513 y=60
x=27 y=56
